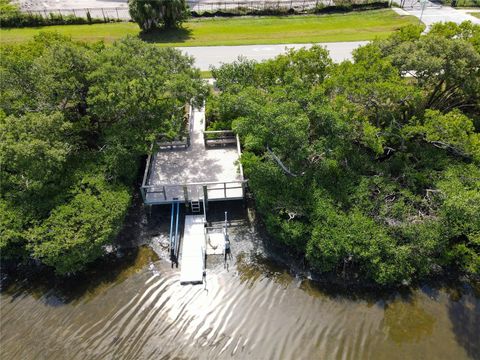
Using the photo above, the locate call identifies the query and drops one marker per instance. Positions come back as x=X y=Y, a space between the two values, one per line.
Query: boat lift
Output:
x=174 y=240
x=198 y=241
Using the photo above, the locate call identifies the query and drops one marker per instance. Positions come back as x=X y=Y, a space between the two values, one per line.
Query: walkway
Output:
x=436 y=13
x=193 y=252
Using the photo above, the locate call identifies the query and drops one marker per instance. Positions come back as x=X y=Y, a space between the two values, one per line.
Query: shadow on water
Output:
x=161 y=36
x=405 y=320
x=464 y=313
x=102 y=275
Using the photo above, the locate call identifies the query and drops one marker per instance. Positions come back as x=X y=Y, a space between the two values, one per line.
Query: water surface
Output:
x=255 y=309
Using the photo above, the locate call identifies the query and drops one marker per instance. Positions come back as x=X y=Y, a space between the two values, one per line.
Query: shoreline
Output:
x=138 y=233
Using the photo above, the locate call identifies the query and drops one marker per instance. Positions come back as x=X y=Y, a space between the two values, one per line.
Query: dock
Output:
x=205 y=166
x=192 y=169
x=192 y=262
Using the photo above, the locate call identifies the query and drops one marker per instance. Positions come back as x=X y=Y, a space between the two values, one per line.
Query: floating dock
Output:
x=192 y=261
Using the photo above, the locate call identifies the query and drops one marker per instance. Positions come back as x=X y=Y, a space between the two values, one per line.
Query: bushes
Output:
x=20 y=19
x=462 y=3
x=354 y=242
x=12 y=17
x=346 y=7
x=76 y=232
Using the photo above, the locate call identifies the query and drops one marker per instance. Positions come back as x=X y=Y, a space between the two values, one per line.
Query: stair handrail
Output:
x=176 y=229
x=171 y=232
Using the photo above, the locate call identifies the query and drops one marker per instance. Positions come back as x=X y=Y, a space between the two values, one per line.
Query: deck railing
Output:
x=209 y=191
x=219 y=137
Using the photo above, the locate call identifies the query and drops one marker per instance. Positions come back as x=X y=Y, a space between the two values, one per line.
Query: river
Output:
x=256 y=308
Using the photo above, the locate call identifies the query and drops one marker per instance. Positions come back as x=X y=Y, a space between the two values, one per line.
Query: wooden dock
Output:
x=192 y=260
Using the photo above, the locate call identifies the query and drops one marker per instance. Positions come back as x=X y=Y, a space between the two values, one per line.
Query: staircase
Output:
x=195 y=206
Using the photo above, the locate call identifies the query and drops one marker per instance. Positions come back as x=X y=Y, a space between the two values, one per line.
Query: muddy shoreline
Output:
x=149 y=226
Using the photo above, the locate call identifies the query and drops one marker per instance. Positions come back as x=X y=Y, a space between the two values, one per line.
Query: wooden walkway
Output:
x=193 y=250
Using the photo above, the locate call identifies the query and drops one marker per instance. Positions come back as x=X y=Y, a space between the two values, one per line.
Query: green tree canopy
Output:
x=75 y=119
x=368 y=168
x=153 y=14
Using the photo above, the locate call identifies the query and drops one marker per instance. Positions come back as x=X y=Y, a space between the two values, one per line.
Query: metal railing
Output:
x=174 y=235
x=210 y=191
x=219 y=137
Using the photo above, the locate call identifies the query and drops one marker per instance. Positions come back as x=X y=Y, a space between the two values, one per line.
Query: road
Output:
x=207 y=56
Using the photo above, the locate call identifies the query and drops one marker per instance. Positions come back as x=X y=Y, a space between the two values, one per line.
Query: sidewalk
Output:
x=435 y=13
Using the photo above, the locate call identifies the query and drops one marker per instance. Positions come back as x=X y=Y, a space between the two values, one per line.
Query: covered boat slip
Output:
x=198 y=169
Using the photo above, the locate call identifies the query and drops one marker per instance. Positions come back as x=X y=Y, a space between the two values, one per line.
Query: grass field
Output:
x=352 y=26
x=476 y=14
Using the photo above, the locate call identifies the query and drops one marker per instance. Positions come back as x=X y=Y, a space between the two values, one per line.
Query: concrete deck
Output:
x=195 y=165
x=193 y=252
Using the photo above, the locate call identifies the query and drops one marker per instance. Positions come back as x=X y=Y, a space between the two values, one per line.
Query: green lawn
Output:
x=476 y=14
x=353 y=26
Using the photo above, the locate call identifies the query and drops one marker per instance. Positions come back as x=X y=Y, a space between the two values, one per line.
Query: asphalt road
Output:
x=207 y=56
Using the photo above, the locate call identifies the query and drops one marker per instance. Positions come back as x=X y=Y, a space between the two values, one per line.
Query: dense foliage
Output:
x=370 y=168
x=155 y=14
x=74 y=123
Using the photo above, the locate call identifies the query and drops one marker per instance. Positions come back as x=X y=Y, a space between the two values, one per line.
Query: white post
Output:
x=226 y=233
x=423 y=4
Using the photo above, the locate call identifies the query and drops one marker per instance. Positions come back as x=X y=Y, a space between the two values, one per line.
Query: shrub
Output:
x=19 y=19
